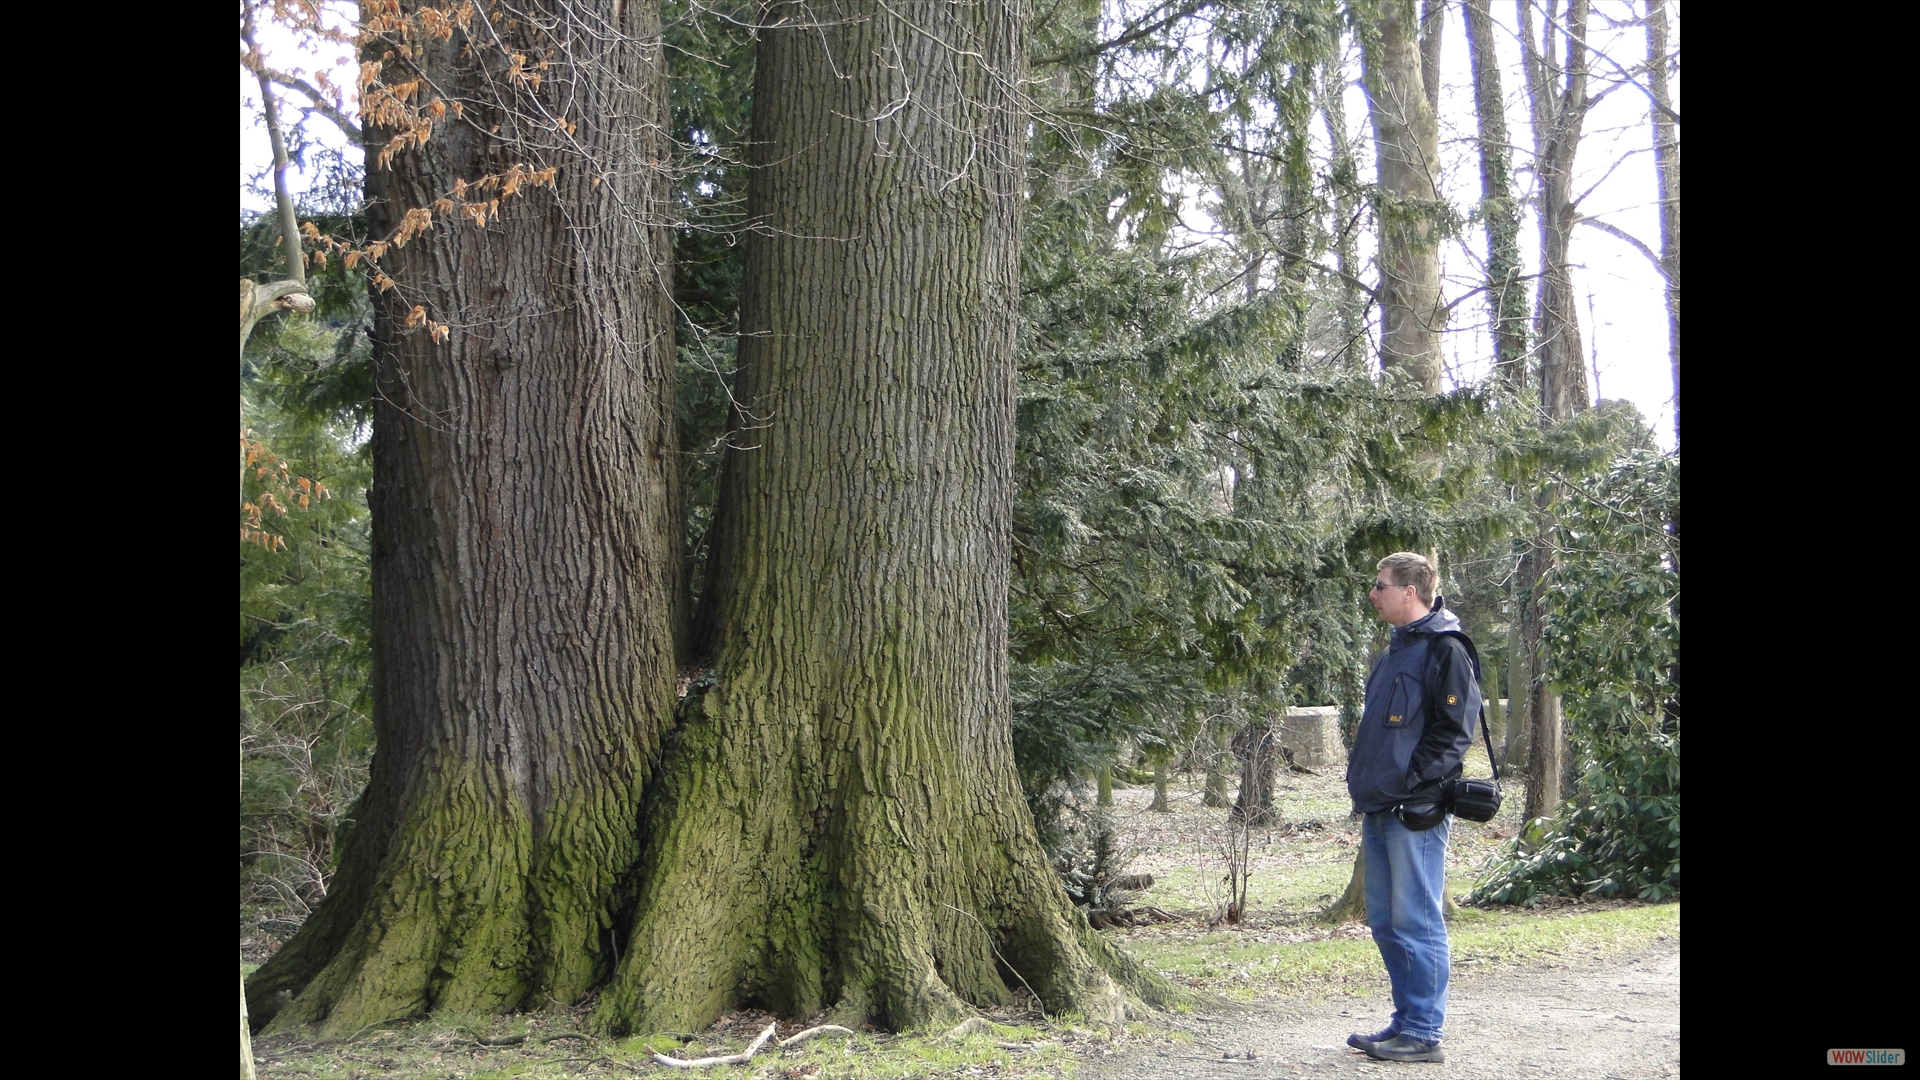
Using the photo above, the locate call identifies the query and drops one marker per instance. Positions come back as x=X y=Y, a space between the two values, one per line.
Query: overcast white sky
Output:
x=1626 y=328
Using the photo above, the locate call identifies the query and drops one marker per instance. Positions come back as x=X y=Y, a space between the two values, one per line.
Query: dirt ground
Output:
x=1577 y=1013
x=1619 y=1020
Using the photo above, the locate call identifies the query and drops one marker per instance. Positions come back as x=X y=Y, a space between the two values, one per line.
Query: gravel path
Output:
x=1617 y=1018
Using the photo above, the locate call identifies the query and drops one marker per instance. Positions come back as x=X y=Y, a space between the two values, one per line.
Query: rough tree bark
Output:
x=840 y=822
x=526 y=569
x=1406 y=141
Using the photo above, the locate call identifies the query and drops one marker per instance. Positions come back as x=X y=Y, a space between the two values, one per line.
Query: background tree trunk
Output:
x=1499 y=209
x=1433 y=26
x=1350 y=305
x=1496 y=712
x=1557 y=106
x=526 y=565
x=1519 y=674
x=1407 y=149
x=840 y=821
x=1352 y=904
x=1217 y=738
x=1295 y=103
x=255 y=303
x=1666 y=159
x=1258 y=753
x=1557 y=103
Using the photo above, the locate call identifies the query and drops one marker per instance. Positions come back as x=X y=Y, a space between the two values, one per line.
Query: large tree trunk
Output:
x=1407 y=150
x=526 y=563
x=840 y=821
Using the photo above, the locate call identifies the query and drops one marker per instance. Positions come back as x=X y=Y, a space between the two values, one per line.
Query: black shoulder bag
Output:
x=1475 y=800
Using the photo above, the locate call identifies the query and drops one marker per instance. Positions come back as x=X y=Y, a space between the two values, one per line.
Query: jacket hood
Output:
x=1439 y=620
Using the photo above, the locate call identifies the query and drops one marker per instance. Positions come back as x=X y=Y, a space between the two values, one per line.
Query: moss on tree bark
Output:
x=840 y=823
x=526 y=562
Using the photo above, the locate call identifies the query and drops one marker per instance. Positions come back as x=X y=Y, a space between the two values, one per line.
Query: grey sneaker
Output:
x=1404 y=1047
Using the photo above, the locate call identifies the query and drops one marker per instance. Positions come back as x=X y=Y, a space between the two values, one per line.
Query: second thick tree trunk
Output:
x=841 y=823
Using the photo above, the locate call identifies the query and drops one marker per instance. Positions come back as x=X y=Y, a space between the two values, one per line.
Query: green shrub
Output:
x=1613 y=624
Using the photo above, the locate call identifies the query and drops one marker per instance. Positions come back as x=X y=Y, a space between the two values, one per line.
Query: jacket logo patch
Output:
x=1393 y=719
x=1451 y=700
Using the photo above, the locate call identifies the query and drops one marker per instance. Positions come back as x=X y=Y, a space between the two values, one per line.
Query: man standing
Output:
x=1421 y=702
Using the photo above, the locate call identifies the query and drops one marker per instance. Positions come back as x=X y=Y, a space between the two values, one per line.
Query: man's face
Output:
x=1394 y=603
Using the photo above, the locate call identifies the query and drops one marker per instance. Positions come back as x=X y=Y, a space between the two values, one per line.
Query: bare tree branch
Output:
x=314 y=94
x=1628 y=238
x=1624 y=73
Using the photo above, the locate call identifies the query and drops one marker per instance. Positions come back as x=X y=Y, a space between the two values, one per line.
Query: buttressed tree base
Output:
x=841 y=824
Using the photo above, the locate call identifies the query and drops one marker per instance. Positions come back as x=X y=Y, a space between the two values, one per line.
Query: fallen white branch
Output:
x=823 y=1029
x=729 y=1059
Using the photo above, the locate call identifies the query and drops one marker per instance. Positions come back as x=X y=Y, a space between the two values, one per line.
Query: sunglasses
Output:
x=1378 y=585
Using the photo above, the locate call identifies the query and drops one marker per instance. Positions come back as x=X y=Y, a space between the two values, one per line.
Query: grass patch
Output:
x=1299 y=960
x=1513 y=936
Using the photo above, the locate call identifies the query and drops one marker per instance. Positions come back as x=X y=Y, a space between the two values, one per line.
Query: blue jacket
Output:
x=1422 y=701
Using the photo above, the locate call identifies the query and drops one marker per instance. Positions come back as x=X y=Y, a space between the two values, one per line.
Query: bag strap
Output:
x=1473 y=654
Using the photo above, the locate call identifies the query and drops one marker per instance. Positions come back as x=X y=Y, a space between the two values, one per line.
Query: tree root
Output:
x=728 y=1059
x=973 y=1025
x=1140 y=916
x=823 y=1029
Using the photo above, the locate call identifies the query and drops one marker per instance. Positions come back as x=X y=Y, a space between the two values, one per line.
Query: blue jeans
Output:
x=1406 y=879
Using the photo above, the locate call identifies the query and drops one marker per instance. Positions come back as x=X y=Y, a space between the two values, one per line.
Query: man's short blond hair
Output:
x=1412 y=568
